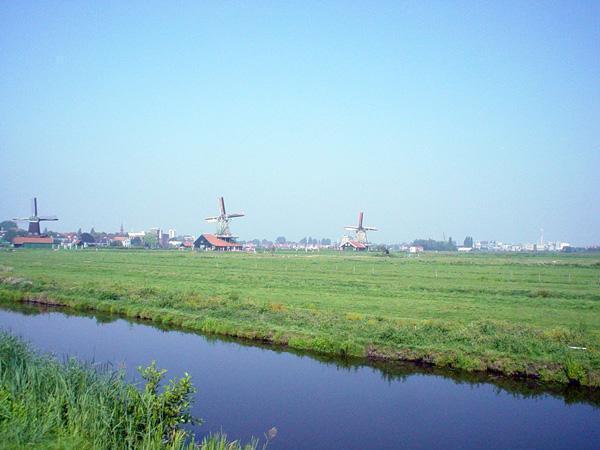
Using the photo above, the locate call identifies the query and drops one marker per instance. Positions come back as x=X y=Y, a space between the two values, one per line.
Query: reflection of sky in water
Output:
x=246 y=390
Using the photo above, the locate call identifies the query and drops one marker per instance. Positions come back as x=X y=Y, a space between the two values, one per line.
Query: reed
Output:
x=48 y=404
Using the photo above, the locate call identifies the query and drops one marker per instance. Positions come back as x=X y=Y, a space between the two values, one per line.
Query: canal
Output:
x=317 y=402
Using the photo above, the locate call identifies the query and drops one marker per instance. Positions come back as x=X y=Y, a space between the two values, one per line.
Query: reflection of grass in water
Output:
x=514 y=314
x=45 y=404
x=389 y=371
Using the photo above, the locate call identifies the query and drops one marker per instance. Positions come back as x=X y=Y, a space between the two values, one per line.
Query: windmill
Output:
x=360 y=230
x=222 y=221
x=34 y=220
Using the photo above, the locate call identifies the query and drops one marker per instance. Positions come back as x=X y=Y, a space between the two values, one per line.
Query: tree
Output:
x=468 y=242
x=13 y=233
x=87 y=238
x=79 y=232
x=150 y=240
x=8 y=225
x=136 y=242
x=280 y=240
x=440 y=246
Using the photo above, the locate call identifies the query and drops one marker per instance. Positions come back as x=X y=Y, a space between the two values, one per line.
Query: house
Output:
x=33 y=241
x=415 y=249
x=353 y=245
x=123 y=241
x=212 y=242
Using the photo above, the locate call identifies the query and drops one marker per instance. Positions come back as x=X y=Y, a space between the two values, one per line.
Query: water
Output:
x=246 y=389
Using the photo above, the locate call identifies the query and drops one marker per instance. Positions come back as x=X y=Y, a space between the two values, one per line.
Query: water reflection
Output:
x=390 y=372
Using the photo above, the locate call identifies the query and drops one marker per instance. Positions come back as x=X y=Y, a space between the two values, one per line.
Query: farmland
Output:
x=523 y=315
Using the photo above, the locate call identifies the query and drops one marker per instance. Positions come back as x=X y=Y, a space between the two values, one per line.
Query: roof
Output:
x=19 y=240
x=120 y=238
x=217 y=242
x=355 y=244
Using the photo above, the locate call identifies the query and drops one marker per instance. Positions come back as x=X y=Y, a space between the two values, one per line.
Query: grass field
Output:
x=514 y=314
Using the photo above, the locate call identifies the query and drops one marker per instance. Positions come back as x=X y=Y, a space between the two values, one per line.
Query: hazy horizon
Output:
x=433 y=118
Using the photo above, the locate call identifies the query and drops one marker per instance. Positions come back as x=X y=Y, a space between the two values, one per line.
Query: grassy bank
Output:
x=45 y=404
x=513 y=314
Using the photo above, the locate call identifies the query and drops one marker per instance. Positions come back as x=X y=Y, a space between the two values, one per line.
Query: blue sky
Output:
x=463 y=118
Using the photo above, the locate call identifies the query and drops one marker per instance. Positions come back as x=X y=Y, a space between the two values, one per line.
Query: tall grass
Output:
x=46 y=404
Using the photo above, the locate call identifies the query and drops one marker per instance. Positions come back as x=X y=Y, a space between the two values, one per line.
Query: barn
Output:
x=33 y=242
x=212 y=242
x=353 y=245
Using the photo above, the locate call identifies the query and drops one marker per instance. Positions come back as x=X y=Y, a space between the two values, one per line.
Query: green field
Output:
x=508 y=313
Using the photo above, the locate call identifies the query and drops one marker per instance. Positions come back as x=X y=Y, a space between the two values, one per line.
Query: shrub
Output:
x=354 y=316
x=574 y=371
x=543 y=293
x=45 y=404
x=277 y=307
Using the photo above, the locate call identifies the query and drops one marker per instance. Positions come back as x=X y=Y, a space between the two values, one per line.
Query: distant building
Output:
x=212 y=242
x=175 y=243
x=171 y=233
x=464 y=249
x=415 y=249
x=163 y=239
x=123 y=241
x=33 y=241
x=353 y=245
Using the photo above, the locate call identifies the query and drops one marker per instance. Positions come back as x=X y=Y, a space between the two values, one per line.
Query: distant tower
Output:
x=541 y=237
x=171 y=233
x=121 y=232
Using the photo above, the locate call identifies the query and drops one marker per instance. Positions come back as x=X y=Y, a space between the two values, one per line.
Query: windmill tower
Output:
x=222 y=221
x=360 y=231
x=34 y=220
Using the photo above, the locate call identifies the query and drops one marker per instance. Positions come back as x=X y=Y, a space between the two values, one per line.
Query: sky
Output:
x=434 y=118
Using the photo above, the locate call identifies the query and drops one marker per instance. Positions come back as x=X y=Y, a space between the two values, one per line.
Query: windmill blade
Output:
x=369 y=228
x=351 y=228
x=34 y=206
x=234 y=215
x=21 y=219
x=222 y=206
x=47 y=218
x=360 y=219
x=211 y=219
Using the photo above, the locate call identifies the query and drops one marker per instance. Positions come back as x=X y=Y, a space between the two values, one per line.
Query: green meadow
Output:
x=518 y=314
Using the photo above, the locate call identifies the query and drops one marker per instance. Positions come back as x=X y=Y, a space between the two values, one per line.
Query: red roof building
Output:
x=33 y=241
x=212 y=242
x=353 y=245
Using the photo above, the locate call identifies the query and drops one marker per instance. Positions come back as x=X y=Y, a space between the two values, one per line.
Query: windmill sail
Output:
x=34 y=220
x=222 y=220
